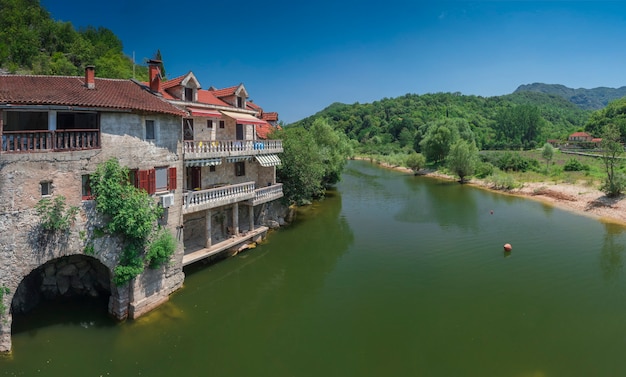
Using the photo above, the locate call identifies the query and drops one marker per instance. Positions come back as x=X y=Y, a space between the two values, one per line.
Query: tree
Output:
x=415 y=162
x=463 y=159
x=333 y=148
x=302 y=170
x=612 y=149
x=437 y=141
x=547 y=152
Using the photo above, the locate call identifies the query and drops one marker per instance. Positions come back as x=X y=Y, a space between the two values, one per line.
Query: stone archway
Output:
x=62 y=278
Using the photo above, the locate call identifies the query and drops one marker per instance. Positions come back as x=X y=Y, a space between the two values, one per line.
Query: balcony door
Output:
x=239 y=132
x=194 y=178
x=188 y=130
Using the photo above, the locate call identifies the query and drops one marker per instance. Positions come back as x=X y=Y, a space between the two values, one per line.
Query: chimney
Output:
x=90 y=80
x=154 y=75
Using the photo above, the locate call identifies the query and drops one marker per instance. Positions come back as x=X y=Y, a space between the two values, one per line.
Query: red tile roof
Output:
x=273 y=116
x=253 y=106
x=262 y=130
x=71 y=91
x=579 y=134
x=226 y=91
x=206 y=96
x=172 y=83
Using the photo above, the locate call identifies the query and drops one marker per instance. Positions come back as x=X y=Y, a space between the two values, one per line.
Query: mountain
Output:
x=586 y=99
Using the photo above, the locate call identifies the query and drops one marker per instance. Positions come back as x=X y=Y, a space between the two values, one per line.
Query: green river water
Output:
x=391 y=275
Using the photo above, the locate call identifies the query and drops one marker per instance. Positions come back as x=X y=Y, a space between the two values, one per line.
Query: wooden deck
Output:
x=194 y=253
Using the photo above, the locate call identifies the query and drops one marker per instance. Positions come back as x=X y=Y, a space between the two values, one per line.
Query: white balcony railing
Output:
x=267 y=194
x=216 y=197
x=224 y=148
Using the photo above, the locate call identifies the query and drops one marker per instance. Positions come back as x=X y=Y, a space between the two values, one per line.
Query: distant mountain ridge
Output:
x=586 y=99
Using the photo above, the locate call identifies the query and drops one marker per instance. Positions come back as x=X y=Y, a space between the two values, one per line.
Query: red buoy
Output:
x=508 y=247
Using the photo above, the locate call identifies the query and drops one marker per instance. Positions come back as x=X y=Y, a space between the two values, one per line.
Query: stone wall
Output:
x=25 y=248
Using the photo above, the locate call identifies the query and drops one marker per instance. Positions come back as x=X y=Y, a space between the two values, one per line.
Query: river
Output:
x=391 y=275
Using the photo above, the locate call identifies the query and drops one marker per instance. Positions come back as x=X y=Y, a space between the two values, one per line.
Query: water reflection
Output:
x=439 y=200
x=611 y=255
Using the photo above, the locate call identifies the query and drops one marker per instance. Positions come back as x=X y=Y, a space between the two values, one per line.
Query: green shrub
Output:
x=502 y=181
x=484 y=169
x=574 y=165
x=3 y=291
x=161 y=249
x=54 y=216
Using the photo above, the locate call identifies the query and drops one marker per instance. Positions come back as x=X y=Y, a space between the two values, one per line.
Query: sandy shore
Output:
x=579 y=198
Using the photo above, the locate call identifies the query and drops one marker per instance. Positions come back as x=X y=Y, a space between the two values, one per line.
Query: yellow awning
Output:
x=243 y=118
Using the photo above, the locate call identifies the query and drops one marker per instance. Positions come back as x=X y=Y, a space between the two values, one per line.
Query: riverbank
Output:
x=580 y=198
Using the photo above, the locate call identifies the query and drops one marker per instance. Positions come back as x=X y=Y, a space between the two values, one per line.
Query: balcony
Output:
x=194 y=201
x=198 y=149
x=267 y=194
x=49 y=141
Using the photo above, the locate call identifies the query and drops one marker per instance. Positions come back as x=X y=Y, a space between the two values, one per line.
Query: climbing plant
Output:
x=3 y=291
x=130 y=213
x=53 y=214
x=160 y=249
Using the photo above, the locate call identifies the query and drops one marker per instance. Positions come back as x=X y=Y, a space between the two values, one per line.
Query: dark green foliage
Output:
x=131 y=213
x=462 y=159
x=384 y=127
x=612 y=149
x=161 y=249
x=574 y=165
x=53 y=214
x=3 y=308
x=415 y=162
x=510 y=161
x=484 y=169
x=614 y=113
x=31 y=41
x=586 y=99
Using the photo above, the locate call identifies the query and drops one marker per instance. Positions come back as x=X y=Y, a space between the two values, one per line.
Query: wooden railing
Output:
x=231 y=147
x=219 y=196
x=47 y=141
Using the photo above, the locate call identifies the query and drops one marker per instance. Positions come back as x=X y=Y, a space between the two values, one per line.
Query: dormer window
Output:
x=240 y=102
x=189 y=94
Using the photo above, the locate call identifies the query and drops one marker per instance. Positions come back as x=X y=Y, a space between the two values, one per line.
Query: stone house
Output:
x=229 y=165
x=195 y=151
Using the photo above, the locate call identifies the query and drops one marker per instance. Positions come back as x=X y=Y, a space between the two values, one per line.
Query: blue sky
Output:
x=296 y=58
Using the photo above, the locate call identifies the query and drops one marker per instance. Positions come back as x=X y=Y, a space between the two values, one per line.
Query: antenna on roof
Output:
x=133 y=64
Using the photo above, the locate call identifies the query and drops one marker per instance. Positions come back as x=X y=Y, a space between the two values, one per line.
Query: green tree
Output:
x=437 y=141
x=463 y=159
x=612 y=149
x=547 y=152
x=415 y=162
x=302 y=169
x=333 y=148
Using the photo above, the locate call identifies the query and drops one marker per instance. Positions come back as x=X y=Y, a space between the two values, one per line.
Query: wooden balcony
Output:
x=194 y=201
x=229 y=148
x=49 y=141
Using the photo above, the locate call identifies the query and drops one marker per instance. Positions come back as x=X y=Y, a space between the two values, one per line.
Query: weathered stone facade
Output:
x=25 y=248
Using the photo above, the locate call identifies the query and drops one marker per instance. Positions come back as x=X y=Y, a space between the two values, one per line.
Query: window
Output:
x=209 y=123
x=240 y=102
x=189 y=94
x=212 y=168
x=158 y=179
x=150 y=131
x=73 y=121
x=86 y=187
x=240 y=168
x=46 y=188
x=188 y=130
x=221 y=124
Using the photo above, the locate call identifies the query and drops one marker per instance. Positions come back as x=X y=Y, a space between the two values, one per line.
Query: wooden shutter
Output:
x=147 y=181
x=171 y=176
x=151 y=181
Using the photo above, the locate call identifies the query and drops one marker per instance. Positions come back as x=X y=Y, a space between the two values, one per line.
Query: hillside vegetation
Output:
x=514 y=121
x=32 y=42
x=586 y=99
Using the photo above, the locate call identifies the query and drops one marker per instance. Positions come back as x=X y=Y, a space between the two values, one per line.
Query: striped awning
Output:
x=268 y=160
x=238 y=158
x=204 y=162
x=204 y=112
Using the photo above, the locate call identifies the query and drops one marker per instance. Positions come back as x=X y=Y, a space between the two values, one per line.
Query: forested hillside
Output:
x=519 y=120
x=32 y=42
x=587 y=99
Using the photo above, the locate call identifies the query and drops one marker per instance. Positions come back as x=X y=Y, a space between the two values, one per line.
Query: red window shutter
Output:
x=171 y=175
x=151 y=181
x=143 y=180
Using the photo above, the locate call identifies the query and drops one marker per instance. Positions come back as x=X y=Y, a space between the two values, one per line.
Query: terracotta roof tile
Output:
x=580 y=134
x=273 y=116
x=173 y=82
x=207 y=96
x=225 y=92
x=71 y=91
